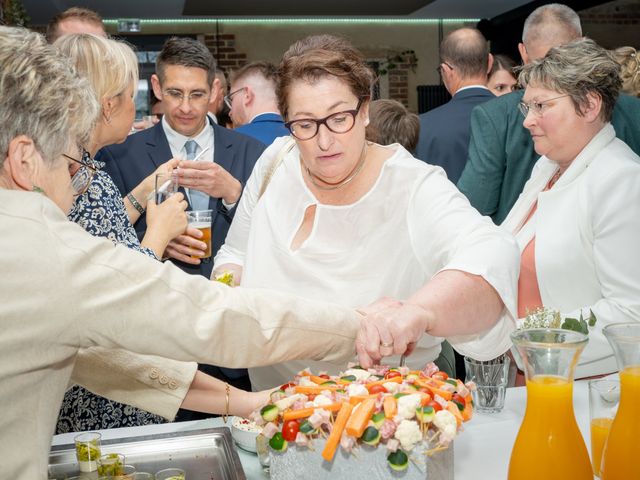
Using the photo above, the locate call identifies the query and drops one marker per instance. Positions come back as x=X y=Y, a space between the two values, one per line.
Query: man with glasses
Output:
x=501 y=153
x=184 y=82
x=444 y=131
x=253 y=104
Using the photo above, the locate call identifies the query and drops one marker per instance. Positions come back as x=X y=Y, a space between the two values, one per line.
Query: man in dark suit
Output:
x=184 y=82
x=501 y=153
x=444 y=131
x=253 y=104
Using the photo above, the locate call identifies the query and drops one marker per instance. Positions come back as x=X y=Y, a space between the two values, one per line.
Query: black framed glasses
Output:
x=340 y=122
x=537 y=108
x=228 y=99
x=81 y=180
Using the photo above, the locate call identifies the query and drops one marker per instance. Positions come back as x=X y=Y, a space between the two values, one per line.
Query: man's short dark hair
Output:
x=186 y=52
x=79 y=13
x=467 y=51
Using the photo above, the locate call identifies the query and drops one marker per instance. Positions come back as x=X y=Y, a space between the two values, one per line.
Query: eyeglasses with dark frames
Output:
x=228 y=99
x=340 y=122
x=537 y=108
x=81 y=180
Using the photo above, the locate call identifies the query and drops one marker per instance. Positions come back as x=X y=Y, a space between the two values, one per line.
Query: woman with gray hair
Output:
x=64 y=290
x=577 y=221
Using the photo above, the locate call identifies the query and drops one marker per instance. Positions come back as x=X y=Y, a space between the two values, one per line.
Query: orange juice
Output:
x=549 y=443
x=621 y=458
x=599 y=431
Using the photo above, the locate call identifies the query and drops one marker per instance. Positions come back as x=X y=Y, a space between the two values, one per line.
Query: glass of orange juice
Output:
x=604 y=396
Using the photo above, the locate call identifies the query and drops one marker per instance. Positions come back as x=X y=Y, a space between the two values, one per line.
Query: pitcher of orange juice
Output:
x=549 y=443
x=620 y=459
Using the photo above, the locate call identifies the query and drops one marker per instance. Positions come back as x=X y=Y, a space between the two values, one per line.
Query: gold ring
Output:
x=382 y=344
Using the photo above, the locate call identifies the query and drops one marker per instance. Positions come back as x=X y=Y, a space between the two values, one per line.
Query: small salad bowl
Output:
x=244 y=433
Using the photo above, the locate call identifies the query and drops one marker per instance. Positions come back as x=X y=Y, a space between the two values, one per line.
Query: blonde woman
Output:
x=629 y=61
x=112 y=70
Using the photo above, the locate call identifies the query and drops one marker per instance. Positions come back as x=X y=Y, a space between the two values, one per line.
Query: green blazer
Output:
x=501 y=153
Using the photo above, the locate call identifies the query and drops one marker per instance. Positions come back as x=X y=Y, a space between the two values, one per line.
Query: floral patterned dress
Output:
x=101 y=212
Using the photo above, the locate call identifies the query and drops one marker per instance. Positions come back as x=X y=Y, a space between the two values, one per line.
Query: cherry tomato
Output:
x=290 y=430
x=392 y=373
x=436 y=406
x=377 y=389
x=324 y=375
x=440 y=376
x=284 y=386
x=426 y=390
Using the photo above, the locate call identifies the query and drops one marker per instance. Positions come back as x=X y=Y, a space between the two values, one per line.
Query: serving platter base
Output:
x=364 y=463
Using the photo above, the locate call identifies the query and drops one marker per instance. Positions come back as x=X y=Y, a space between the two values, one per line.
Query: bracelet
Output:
x=226 y=411
x=135 y=203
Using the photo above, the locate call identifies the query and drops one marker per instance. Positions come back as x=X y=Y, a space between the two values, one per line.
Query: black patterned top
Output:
x=101 y=212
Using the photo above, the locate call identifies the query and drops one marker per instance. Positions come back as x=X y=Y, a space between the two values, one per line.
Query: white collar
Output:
x=177 y=140
x=470 y=86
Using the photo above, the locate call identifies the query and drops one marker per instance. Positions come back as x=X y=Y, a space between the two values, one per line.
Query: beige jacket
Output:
x=63 y=290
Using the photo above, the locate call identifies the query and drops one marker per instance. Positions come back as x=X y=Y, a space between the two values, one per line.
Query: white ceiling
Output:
x=41 y=11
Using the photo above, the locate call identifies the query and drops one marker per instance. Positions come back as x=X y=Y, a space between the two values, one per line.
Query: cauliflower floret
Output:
x=355 y=389
x=407 y=405
x=408 y=433
x=306 y=382
x=447 y=425
x=321 y=400
x=392 y=387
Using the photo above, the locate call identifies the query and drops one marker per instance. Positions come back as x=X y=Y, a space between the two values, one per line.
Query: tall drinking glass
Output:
x=201 y=219
x=166 y=185
x=549 y=443
x=621 y=457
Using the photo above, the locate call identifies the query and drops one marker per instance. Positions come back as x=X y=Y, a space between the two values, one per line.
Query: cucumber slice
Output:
x=269 y=412
x=425 y=414
x=398 y=395
x=378 y=419
x=451 y=382
x=307 y=428
x=412 y=377
x=328 y=382
x=278 y=443
x=348 y=378
x=398 y=460
x=370 y=436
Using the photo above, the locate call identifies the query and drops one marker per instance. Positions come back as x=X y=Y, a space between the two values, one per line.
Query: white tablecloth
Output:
x=482 y=451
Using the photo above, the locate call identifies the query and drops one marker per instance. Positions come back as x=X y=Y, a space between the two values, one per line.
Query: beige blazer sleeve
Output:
x=155 y=384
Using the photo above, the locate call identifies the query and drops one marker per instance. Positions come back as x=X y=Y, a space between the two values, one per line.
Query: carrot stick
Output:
x=318 y=380
x=315 y=389
x=307 y=412
x=453 y=408
x=336 y=432
x=354 y=400
x=360 y=418
x=443 y=393
x=390 y=406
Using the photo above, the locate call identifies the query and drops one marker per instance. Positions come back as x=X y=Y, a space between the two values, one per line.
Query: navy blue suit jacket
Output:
x=266 y=128
x=444 y=131
x=132 y=161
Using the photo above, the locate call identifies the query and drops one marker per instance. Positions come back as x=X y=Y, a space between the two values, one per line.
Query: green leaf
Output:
x=592 y=318
x=575 y=325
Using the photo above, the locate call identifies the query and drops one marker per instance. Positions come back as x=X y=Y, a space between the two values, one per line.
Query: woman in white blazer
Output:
x=577 y=222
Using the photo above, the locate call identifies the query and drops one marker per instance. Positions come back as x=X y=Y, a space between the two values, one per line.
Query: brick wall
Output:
x=399 y=84
x=620 y=12
x=223 y=48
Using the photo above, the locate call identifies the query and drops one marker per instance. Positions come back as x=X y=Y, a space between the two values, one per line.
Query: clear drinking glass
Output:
x=171 y=474
x=87 y=450
x=549 y=443
x=604 y=396
x=201 y=219
x=491 y=378
x=165 y=186
x=111 y=464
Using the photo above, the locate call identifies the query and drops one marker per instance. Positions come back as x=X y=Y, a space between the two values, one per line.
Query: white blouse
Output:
x=411 y=224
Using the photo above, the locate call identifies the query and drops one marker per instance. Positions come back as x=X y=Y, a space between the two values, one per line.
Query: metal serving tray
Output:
x=207 y=454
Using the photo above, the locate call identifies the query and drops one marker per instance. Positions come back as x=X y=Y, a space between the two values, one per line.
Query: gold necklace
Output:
x=343 y=182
